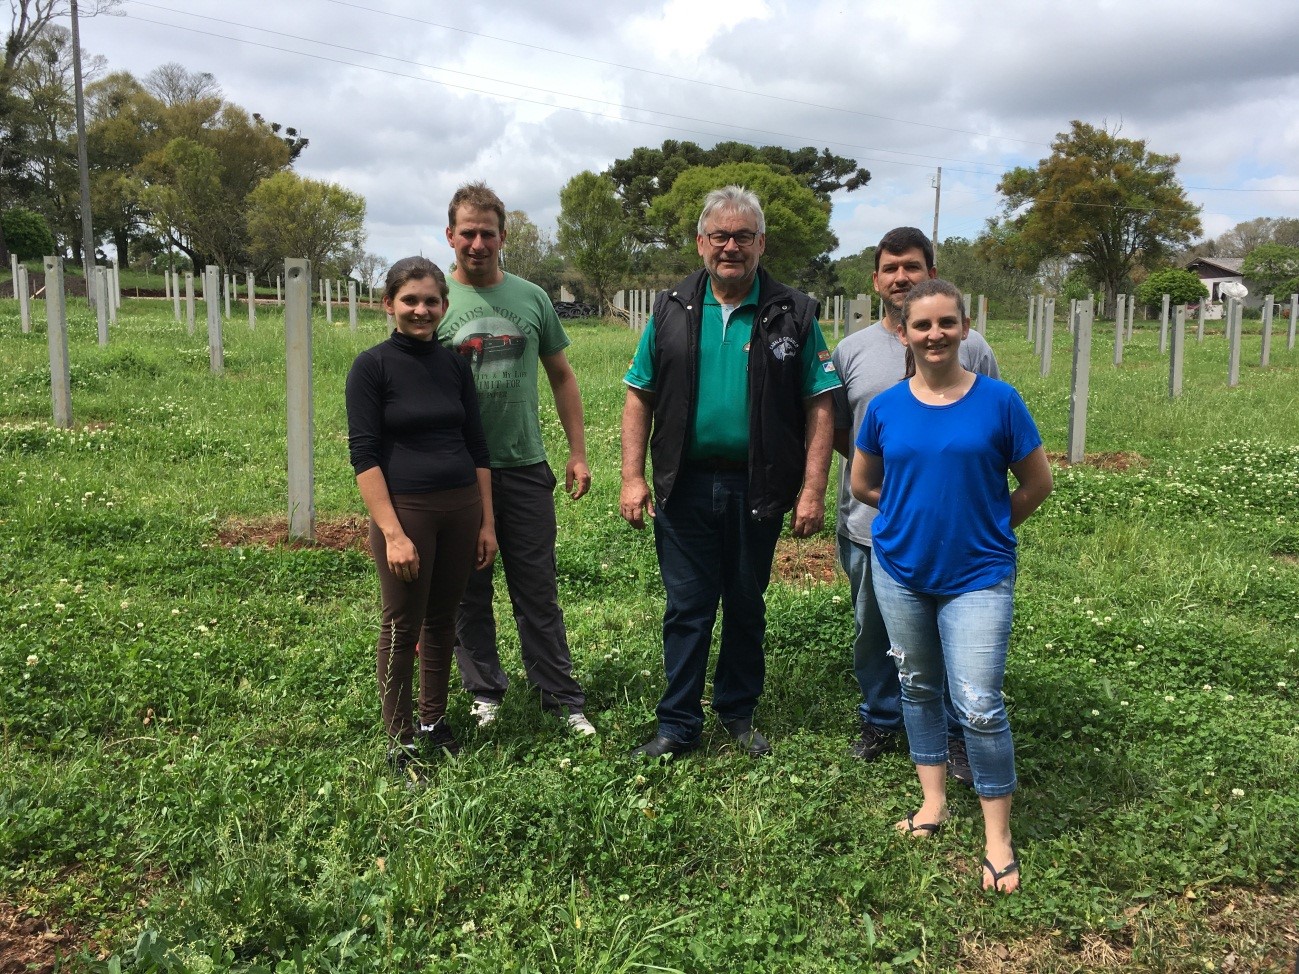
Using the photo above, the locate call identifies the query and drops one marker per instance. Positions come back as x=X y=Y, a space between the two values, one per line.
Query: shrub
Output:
x=1181 y=286
x=27 y=234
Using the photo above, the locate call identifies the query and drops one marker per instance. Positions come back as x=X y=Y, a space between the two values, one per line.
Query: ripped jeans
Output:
x=960 y=641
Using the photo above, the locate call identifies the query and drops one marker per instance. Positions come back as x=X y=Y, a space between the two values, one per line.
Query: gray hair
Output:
x=736 y=199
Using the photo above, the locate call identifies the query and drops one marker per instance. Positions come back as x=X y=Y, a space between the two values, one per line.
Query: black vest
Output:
x=777 y=421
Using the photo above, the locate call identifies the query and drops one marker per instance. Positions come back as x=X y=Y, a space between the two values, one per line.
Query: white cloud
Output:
x=974 y=87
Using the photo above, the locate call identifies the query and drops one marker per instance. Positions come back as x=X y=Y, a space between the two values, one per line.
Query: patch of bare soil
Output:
x=28 y=944
x=1230 y=930
x=338 y=534
x=1120 y=462
x=806 y=559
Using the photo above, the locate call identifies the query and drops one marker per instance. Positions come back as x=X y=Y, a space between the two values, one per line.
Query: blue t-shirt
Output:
x=944 y=521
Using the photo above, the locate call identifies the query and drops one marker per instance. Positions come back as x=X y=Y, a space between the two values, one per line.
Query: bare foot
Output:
x=923 y=823
x=1002 y=879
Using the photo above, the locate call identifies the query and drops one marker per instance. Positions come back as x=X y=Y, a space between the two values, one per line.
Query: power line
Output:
x=674 y=77
x=795 y=139
x=533 y=88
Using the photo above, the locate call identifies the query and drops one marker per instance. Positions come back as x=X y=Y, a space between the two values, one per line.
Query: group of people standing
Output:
x=738 y=404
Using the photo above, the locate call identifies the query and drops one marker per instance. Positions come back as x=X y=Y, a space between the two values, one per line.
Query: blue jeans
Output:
x=710 y=549
x=877 y=674
x=959 y=641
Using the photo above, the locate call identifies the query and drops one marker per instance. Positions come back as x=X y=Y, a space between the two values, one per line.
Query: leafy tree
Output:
x=531 y=254
x=1077 y=286
x=964 y=263
x=650 y=173
x=29 y=19
x=1182 y=287
x=27 y=234
x=798 y=221
x=594 y=234
x=854 y=272
x=1274 y=268
x=1107 y=202
x=291 y=216
x=195 y=188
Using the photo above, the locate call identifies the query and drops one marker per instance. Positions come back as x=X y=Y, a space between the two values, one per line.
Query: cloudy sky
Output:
x=403 y=100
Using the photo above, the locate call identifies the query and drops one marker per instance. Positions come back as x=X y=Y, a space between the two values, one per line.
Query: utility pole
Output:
x=83 y=164
x=938 y=191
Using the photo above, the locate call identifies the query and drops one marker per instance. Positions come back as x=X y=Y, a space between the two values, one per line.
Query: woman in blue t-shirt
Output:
x=932 y=456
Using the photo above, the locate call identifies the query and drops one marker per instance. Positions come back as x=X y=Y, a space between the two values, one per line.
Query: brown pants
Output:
x=443 y=526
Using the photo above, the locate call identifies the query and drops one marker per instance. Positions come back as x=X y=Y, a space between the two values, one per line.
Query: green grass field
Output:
x=192 y=773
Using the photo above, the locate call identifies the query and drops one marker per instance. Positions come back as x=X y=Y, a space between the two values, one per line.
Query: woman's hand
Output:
x=403 y=559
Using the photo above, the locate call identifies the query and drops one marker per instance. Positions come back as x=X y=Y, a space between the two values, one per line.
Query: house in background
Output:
x=1216 y=271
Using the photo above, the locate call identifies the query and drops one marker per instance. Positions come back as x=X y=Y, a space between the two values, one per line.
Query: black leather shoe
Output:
x=873 y=742
x=659 y=745
x=747 y=737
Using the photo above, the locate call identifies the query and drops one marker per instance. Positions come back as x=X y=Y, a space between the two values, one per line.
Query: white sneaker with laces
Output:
x=578 y=723
x=484 y=711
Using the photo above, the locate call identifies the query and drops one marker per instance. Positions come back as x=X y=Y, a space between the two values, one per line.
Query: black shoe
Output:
x=436 y=739
x=958 y=762
x=405 y=764
x=748 y=737
x=874 y=741
x=659 y=745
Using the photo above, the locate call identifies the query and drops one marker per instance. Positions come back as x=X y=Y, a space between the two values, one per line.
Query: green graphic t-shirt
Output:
x=503 y=331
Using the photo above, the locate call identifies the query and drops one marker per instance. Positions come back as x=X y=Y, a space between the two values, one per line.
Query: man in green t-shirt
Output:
x=507 y=327
x=729 y=389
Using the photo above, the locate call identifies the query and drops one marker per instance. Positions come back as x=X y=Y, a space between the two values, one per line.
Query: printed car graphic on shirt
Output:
x=482 y=346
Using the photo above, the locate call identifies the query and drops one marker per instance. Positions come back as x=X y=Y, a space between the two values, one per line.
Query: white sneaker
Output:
x=578 y=723
x=484 y=711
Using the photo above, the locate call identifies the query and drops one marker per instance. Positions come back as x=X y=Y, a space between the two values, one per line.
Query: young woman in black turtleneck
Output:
x=416 y=443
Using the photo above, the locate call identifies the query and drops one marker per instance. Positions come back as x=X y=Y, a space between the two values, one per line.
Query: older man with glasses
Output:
x=729 y=390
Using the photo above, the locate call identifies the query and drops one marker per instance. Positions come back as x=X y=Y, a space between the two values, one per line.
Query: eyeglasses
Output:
x=742 y=238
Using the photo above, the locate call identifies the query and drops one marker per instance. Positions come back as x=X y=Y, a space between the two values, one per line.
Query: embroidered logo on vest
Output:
x=783 y=348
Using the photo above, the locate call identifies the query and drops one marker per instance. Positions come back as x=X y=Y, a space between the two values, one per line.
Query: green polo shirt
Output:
x=720 y=430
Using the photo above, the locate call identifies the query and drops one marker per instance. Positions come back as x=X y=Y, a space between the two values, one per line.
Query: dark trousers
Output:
x=444 y=527
x=524 y=502
x=711 y=550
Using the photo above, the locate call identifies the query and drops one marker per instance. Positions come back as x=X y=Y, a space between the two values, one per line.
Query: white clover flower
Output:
x=1207 y=686
x=1096 y=713
x=1092 y=660
x=836 y=598
x=125 y=604
x=644 y=672
x=1238 y=792
x=565 y=763
x=175 y=612
x=1140 y=647
x=1077 y=600
x=33 y=660
x=1280 y=684
x=1169 y=697
x=623 y=897
x=60 y=607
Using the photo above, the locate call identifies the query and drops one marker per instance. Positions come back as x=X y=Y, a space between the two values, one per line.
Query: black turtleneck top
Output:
x=412 y=411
